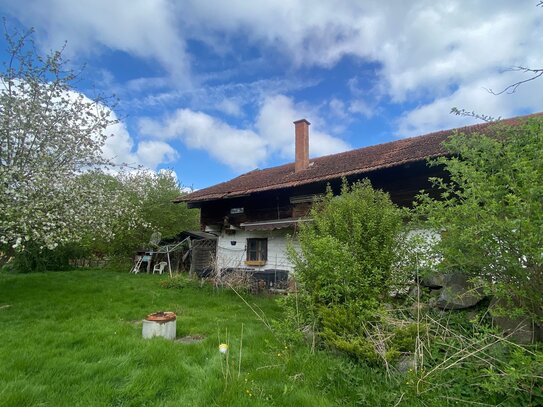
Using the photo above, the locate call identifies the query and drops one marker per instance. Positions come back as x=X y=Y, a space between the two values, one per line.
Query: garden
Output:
x=75 y=338
x=361 y=324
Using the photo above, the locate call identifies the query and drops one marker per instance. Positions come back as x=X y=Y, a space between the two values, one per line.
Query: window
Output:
x=257 y=252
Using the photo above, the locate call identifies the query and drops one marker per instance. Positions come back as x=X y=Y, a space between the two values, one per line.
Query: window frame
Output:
x=256 y=255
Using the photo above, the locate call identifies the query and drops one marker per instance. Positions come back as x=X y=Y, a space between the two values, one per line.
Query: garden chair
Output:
x=159 y=267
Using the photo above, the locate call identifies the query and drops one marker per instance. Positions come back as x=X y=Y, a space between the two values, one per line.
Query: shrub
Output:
x=344 y=266
x=491 y=208
x=177 y=282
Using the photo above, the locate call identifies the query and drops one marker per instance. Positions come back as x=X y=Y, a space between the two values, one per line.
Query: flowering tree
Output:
x=50 y=136
x=150 y=195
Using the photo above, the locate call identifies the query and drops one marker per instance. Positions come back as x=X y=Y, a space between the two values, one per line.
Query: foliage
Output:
x=177 y=282
x=151 y=195
x=470 y=363
x=491 y=212
x=34 y=258
x=345 y=264
x=49 y=136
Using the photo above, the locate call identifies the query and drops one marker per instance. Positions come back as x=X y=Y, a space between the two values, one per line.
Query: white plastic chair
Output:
x=160 y=267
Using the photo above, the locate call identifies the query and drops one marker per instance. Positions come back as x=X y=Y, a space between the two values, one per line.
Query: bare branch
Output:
x=535 y=73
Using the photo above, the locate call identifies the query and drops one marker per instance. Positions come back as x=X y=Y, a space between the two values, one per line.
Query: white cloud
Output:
x=424 y=50
x=473 y=96
x=230 y=106
x=243 y=149
x=153 y=153
x=141 y=28
x=419 y=43
x=237 y=148
x=275 y=124
x=439 y=53
x=120 y=149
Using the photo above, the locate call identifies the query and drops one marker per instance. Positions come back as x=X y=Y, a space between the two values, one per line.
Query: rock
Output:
x=399 y=292
x=432 y=302
x=406 y=363
x=415 y=292
x=309 y=334
x=458 y=293
x=434 y=280
x=420 y=307
x=520 y=330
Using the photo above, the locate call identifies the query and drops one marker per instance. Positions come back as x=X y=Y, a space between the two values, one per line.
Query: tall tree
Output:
x=49 y=135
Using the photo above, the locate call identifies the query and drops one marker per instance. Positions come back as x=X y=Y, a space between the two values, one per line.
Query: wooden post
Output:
x=169 y=263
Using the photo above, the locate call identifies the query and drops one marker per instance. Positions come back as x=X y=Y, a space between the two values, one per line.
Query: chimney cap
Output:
x=301 y=121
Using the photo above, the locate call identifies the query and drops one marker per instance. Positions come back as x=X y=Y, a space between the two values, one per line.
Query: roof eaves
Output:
x=292 y=184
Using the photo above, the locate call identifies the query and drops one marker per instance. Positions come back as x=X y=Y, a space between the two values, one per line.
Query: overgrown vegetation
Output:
x=345 y=268
x=151 y=195
x=491 y=213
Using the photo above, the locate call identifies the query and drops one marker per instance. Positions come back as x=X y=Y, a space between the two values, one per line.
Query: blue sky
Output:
x=210 y=88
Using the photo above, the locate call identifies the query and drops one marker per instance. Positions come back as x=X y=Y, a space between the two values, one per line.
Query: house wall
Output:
x=234 y=256
x=229 y=255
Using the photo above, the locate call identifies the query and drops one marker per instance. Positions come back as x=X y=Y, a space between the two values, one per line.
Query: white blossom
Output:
x=52 y=188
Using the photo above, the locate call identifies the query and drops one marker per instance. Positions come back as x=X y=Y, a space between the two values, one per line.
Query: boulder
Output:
x=415 y=292
x=458 y=293
x=520 y=329
x=433 y=280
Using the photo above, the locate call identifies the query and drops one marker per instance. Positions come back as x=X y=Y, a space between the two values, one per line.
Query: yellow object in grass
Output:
x=223 y=348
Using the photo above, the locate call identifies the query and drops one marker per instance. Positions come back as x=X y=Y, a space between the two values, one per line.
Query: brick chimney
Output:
x=302 y=145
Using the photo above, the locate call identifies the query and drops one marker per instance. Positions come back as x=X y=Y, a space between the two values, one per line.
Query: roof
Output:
x=334 y=166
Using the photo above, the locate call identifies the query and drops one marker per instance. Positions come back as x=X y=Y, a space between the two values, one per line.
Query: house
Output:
x=254 y=214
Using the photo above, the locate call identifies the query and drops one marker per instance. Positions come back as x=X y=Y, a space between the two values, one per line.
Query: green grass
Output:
x=74 y=339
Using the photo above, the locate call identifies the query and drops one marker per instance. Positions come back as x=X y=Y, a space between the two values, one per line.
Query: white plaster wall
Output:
x=229 y=255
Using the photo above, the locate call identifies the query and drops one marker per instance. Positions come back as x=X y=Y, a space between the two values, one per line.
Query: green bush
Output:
x=179 y=281
x=491 y=207
x=344 y=267
x=34 y=258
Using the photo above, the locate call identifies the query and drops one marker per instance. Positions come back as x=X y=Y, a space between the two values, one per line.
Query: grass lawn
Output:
x=74 y=339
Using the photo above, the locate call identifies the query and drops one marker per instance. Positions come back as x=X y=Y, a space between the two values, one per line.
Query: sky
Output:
x=210 y=89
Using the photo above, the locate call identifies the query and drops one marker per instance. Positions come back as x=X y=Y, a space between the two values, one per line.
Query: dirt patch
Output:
x=190 y=339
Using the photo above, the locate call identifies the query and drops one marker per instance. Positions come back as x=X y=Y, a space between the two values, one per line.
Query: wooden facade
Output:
x=403 y=183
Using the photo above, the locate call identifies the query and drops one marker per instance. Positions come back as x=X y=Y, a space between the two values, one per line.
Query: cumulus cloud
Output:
x=121 y=149
x=436 y=52
x=441 y=54
x=418 y=43
x=243 y=149
x=472 y=96
x=238 y=148
x=275 y=124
